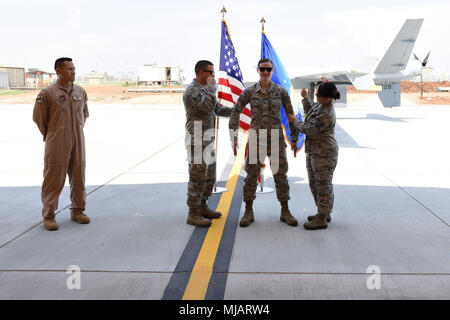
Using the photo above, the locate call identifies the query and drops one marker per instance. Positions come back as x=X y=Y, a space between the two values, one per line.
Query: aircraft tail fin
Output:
x=390 y=94
x=396 y=57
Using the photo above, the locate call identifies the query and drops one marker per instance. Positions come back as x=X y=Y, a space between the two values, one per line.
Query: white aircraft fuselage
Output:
x=381 y=78
x=385 y=78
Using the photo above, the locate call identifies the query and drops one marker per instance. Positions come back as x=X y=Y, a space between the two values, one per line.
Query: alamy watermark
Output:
x=74 y=279
x=374 y=280
x=200 y=145
x=73 y=17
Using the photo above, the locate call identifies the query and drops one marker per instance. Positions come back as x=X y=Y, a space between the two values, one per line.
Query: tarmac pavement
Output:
x=391 y=215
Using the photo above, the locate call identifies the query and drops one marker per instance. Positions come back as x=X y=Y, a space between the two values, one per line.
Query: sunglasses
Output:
x=262 y=69
x=210 y=72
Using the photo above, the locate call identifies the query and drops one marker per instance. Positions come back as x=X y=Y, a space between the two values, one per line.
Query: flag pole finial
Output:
x=262 y=23
x=223 y=11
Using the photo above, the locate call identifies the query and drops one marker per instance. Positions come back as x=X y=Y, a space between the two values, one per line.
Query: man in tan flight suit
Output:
x=60 y=112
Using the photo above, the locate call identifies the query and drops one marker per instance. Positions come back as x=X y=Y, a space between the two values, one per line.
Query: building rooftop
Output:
x=38 y=71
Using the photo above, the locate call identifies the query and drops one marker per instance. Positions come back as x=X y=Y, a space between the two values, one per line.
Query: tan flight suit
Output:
x=60 y=116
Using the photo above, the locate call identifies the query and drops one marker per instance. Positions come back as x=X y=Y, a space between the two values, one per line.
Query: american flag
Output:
x=230 y=78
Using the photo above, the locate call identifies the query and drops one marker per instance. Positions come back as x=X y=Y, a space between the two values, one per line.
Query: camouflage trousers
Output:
x=320 y=176
x=202 y=177
x=279 y=167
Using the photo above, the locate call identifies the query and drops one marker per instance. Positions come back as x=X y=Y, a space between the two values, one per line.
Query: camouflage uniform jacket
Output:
x=318 y=127
x=265 y=108
x=201 y=105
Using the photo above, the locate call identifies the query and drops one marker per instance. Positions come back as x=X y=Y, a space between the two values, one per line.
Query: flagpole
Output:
x=262 y=24
x=261 y=172
x=218 y=189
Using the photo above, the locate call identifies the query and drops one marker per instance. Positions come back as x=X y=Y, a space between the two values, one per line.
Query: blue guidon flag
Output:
x=230 y=78
x=281 y=77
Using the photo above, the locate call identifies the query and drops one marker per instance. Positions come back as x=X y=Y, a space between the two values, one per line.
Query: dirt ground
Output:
x=105 y=94
x=411 y=91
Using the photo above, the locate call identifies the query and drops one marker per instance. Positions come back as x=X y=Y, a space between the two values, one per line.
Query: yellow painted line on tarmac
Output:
x=202 y=271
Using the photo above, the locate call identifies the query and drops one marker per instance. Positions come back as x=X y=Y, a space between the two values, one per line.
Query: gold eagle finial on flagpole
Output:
x=262 y=23
x=223 y=11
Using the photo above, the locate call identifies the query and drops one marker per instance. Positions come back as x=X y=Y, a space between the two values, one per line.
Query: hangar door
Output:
x=4 y=82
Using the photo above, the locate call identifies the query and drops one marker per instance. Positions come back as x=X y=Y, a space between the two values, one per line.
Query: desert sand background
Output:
x=117 y=94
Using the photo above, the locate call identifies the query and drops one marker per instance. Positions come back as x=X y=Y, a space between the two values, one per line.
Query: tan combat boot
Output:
x=196 y=219
x=207 y=212
x=286 y=215
x=319 y=222
x=312 y=217
x=78 y=216
x=50 y=224
x=248 y=215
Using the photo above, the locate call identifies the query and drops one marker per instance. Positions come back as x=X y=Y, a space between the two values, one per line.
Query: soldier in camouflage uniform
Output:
x=266 y=99
x=201 y=109
x=321 y=150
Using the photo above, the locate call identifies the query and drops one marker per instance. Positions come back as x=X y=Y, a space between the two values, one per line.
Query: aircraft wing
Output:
x=342 y=79
x=337 y=77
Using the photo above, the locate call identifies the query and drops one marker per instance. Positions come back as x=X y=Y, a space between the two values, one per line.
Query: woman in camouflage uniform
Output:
x=321 y=150
x=265 y=98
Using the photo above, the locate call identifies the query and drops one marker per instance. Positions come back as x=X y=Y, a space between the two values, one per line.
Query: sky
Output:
x=119 y=36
